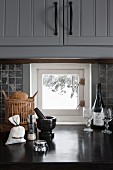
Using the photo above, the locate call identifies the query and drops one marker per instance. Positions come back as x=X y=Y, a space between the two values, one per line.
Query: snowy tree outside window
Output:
x=59 y=91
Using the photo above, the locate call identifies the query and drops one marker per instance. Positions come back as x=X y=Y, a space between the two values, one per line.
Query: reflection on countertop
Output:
x=70 y=144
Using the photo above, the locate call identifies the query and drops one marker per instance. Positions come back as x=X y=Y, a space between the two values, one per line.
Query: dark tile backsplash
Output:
x=106 y=79
x=11 y=79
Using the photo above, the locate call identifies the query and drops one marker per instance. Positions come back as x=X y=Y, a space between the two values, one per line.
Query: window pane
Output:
x=60 y=91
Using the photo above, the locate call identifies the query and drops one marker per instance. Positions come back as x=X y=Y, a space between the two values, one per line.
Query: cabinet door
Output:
x=91 y=22
x=31 y=22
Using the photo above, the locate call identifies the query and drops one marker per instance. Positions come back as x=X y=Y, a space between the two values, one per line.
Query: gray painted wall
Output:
x=26 y=78
x=57 y=52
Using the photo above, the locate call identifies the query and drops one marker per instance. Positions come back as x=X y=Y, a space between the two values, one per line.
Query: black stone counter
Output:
x=71 y=149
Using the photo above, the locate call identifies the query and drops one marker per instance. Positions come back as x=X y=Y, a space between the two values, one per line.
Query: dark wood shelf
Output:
x=55 y=60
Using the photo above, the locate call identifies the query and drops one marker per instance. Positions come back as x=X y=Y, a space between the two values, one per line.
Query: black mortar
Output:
x=46 y=126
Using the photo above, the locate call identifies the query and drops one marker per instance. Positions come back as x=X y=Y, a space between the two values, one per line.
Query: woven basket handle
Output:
x=32 y=98
x=35 y=94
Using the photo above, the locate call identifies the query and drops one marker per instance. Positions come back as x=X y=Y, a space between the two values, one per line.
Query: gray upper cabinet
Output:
x=90 y=21
x=31 y=22
x=56 y=22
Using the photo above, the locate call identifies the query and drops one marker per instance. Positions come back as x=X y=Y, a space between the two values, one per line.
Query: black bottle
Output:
x=97 y=109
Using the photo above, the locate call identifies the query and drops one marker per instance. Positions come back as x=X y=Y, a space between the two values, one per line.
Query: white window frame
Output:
x=41 y=67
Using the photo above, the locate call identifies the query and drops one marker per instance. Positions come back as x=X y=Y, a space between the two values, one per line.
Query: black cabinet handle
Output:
x=71 y=18
x=56 y=3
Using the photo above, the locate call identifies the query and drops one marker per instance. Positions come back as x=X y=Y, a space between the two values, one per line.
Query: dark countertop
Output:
x=71 y=148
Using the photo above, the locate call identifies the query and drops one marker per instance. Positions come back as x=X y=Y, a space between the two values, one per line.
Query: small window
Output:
x=60 y=91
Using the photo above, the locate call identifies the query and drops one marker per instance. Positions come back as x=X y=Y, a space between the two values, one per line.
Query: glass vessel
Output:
x=107 y=117
x=88 y=115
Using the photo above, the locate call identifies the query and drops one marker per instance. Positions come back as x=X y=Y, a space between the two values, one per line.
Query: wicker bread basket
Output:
x=18 y=103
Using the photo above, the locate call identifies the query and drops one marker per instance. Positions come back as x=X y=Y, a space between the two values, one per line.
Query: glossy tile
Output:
x=11 y=79
x=106 y=79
